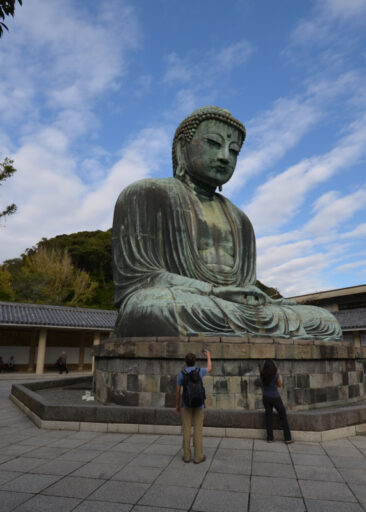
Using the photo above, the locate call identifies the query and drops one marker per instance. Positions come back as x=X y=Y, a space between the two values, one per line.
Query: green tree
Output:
x=47 y=276
x=89 y=251
x=7 y=8
x=6 y=171
x=272 y=292
x=6 y=290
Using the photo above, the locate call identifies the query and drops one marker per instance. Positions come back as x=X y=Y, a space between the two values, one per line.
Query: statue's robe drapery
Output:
x=163 y=286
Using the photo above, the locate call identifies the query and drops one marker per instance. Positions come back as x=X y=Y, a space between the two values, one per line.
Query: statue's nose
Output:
x=224 y=155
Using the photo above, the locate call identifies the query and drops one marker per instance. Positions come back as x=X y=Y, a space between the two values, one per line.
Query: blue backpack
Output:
x=193 y=391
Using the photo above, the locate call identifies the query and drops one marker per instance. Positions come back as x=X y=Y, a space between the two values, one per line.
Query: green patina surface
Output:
x=184 y=256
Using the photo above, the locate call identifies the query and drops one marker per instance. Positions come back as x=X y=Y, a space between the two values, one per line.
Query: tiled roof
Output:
x=330 y=294
x=12 y=313
x=351 y=318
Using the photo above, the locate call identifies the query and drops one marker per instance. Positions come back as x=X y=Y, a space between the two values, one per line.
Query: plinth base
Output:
x=143 y=371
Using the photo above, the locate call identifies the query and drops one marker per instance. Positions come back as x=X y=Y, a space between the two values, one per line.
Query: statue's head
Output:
x=206 y=145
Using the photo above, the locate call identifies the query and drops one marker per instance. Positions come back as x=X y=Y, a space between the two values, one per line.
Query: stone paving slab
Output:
x=6 y=476
x=309 y=448
x=141 y=508
x=225 y=482
x=360 y=492
x=96 y=506
x=137 y=474
x=272 y=486
x=183 y=476
x=42 y=503
x=326 y=491
x=260 y=503
x=169 y=496
x=353 y=476
x=311 y=460
x=57 y=467
x=21 y=464
x=349 y=462
x=273 y=469
x=30 y=483
x=220 y=501
x=281 y=458
x=74 y=487
x=79 y=455
x=234 y=466
x=325 y=474
x=120 y=492
x=10 y=500
x=97 y=470
x=332 y=506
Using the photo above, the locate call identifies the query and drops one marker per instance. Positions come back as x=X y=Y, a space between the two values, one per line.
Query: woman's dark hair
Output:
x=269 y=370
x=190 y=359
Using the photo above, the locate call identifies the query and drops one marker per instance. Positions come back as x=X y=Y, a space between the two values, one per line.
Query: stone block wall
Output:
x=143 y=372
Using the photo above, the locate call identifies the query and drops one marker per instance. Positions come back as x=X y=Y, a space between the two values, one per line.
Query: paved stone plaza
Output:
x=43 y=470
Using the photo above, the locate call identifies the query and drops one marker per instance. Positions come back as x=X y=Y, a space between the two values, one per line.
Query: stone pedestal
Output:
x=143 y=371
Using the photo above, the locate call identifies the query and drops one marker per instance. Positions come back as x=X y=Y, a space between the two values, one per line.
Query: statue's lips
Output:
x=221 y=169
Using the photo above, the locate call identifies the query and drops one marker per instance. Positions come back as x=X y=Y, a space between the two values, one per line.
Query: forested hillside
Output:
x=71 y=269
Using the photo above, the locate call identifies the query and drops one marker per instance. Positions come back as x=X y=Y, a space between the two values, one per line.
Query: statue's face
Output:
x=212 y=153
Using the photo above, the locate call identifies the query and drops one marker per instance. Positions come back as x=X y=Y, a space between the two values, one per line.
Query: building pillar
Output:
x=357 y=342
x=32 y=351
x=81 y=352
x=96 y=341
x=41 y=355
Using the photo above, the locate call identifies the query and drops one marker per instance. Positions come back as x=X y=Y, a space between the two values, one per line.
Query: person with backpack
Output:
x=271 y=381
x=193 y=403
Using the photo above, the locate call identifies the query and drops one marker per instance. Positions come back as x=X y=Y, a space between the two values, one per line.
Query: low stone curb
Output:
x=315 y=424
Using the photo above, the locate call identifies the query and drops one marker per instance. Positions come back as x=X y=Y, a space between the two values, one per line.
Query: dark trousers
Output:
x=62 y=368
x=269 y=402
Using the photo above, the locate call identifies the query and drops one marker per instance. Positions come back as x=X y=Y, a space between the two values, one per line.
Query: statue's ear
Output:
x=181 y=160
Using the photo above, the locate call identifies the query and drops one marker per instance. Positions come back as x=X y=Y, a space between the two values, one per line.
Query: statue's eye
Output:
x=234 y=149
x=213 y=142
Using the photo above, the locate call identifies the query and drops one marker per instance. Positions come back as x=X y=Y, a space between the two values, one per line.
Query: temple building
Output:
x=36 y=335
x=348 y=305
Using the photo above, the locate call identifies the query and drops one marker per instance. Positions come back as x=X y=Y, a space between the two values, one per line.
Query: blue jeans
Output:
x=269 y=402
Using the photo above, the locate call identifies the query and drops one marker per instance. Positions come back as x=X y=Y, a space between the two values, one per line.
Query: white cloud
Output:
x=296 y=275
x=233 y=55
x=204 y=70
x=271 y=135
x=279 y=199
x=357 y=232
x=327 y=28
x=344 y=9
x=63 y=57
x=60 y=63
x=53 y=200
x=331 y=210
x=198 y=78
x=352 y=265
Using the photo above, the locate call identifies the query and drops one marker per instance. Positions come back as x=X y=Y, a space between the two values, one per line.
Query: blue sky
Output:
x=91 y=93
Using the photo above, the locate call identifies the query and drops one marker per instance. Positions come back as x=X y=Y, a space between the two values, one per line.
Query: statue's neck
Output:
x=200 y=189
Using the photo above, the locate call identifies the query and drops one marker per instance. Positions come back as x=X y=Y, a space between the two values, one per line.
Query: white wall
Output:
x=53 y=353
x=21 y=354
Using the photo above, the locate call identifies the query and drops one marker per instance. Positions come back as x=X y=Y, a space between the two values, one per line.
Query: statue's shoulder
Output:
x=148 y=188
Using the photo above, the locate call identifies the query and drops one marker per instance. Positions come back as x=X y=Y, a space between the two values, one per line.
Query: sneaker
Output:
x=270 y=440
x=289 y=441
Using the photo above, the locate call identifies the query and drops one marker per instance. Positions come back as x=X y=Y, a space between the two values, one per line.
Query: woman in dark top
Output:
x=271 y=381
